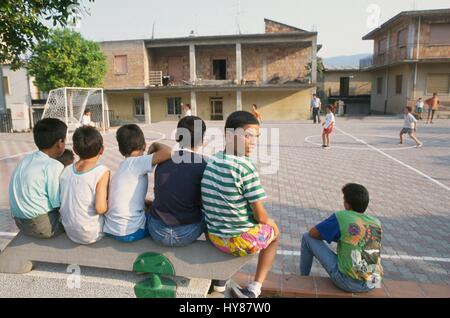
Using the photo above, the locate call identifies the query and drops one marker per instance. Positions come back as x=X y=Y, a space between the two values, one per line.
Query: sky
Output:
x=340 y=23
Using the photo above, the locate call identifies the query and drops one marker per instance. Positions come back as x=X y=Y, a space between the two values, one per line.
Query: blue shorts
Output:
x=136 y=236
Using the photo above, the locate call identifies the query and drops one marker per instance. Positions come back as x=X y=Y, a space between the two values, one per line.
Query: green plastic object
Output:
x=155 y=286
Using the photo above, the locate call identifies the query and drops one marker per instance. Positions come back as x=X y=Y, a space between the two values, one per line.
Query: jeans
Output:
x=316 y=113
x=311 y=248
x=174 y=236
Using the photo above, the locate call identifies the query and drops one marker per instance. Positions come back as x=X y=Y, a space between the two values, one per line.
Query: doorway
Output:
x=175 y=69
x=220 y=69
x=216 y=108
x=344 y=89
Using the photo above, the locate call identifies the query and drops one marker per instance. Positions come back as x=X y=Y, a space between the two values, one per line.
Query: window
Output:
x=438 y=83
x=120 y=64
x=139 y=109
x=216 y=108
x=402 y=38
x=440 y=33
x=6 y=85
x=382 y=46
x=398 y=84
x=174 y=106
x=379 y=85
x=220 y=69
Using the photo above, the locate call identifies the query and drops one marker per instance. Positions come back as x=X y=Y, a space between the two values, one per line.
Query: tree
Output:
x=66 y=59
x=23 y=24
x=320 y=68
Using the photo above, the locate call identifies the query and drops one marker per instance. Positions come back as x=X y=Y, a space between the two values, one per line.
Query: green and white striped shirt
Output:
x=229 y=185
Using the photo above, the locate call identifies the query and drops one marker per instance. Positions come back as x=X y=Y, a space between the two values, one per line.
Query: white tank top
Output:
x=77 y=189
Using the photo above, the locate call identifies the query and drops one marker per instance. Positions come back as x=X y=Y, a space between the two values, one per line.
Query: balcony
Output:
x=406 y=52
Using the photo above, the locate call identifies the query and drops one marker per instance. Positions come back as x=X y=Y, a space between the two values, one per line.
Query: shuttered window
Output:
x=120 y=64
x=440 y=33
x=402 y=38
x=398 y=84
x=438 y=83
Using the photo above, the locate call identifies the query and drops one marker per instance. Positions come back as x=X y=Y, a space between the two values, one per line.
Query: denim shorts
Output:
x=174 y=236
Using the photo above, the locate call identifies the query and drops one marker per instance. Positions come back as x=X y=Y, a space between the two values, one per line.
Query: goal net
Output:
x=69 y=103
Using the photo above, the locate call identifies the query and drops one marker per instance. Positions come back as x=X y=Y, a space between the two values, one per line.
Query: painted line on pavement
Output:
x=383 y=256
x=396 y=160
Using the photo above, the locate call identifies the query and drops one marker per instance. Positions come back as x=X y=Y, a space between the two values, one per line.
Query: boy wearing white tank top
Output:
x=84 y=189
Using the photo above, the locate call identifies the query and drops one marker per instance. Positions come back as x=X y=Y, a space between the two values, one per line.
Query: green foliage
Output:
x=66 y=59
x=320 y=68
x=23 y=24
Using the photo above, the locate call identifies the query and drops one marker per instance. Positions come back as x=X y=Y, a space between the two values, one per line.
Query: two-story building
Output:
x=411 y=59
x=147 y=80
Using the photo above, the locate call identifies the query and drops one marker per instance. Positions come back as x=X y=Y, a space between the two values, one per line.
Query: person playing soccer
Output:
x=328 y=127
x=410 y=127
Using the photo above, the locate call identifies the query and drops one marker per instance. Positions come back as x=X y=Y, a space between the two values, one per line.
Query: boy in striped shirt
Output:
x=232 y=195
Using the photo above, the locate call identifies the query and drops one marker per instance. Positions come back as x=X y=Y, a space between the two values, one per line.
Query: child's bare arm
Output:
x=262 y=216
x=160 y=152
x=314 y=233
x=101 y=194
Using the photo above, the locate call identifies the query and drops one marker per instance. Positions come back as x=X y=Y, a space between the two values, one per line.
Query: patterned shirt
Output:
x=229 y=185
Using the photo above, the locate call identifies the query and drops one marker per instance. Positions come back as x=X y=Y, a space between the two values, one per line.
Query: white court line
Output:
x=383 y=256
x=396 y=160
x=8 y=234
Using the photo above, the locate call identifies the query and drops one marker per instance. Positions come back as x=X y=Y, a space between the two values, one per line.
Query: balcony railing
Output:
x=405 y=52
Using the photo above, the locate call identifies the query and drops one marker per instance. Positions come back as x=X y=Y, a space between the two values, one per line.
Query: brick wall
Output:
x=205 y=56
x=287 y=61
x=274 y=27
x=159 y=60
x=137 y=61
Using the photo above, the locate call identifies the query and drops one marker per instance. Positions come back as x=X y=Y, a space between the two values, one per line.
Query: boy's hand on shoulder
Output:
x=160 y=152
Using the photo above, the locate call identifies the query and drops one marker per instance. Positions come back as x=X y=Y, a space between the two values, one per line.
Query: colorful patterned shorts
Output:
x=251 y=242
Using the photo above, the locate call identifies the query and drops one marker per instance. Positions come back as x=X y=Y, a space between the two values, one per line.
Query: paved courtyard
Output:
x=409 y=187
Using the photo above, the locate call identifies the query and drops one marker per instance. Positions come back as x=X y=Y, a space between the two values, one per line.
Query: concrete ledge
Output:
x=199 y=260
x=293 y=286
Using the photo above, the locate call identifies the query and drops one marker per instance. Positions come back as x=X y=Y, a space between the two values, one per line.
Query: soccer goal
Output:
x=69 y=103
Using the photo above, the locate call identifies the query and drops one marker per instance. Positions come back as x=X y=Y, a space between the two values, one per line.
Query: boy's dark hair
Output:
x=86 y=111
x=434 y=94
x=87 y=142
x=356 y=196
x=48 y=131
x=188 y=123
x=67 y=158
x=188 y=106
x=409 y=108
x=330 y=107
x=254 y=105
x=240 y=119
x=130 y=138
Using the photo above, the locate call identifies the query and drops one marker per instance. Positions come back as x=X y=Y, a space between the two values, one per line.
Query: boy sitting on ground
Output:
x=126 y=217
x=176 y=213
x=84 y=189
x=232 y=195
x=357 y=265
x=34 y=186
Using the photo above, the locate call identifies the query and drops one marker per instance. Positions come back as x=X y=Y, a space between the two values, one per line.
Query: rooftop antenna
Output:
x=238 y=13
x=153 y=29
x=414 y=5
x=314 y=28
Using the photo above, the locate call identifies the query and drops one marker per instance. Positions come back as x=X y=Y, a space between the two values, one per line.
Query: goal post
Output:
x=69 y=103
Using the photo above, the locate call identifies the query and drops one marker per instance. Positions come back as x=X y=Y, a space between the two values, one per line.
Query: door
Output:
x=344 y=86
x=216 y=108
x=176 y=69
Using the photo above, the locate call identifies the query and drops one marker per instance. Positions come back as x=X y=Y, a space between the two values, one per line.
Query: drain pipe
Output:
x=417 y=58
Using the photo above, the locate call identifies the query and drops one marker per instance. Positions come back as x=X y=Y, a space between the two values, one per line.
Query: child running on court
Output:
x=232 y=195
x=126 y=218
x=410 y=127
x=357 y=266
x=34 y=186
x=84 y=189
x=328 y=126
